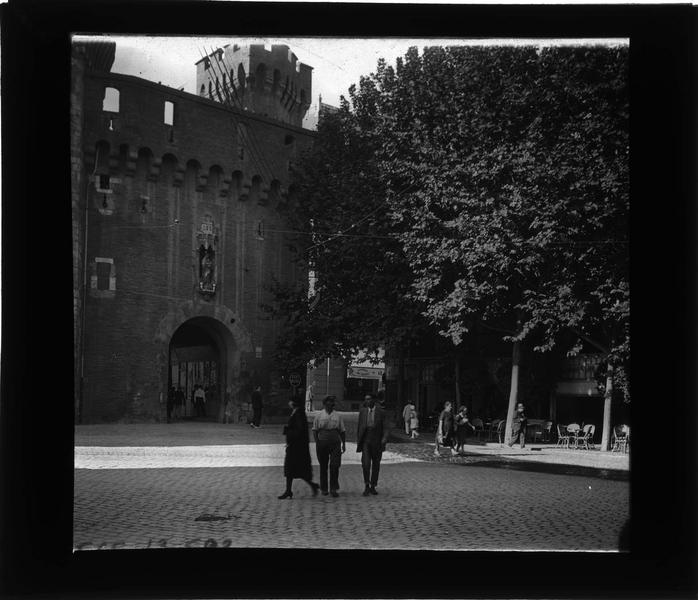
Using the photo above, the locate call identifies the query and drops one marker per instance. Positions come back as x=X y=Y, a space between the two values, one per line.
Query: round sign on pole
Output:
x=294 y=379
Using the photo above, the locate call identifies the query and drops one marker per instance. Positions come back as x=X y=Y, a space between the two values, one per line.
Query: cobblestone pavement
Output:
x=468 y=503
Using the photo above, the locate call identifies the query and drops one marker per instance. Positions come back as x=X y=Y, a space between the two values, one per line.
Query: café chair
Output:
x=492 y=432
x=573 y=430
x=536 y=431
x=621 y=438
x=586 y=437
x=500 y=430
x=563 y=438
x=479 y=427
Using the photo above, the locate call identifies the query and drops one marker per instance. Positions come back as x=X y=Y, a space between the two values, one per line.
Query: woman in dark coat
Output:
x=297 y=461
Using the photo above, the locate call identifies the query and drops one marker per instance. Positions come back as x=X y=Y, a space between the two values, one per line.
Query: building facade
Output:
x=179 y=227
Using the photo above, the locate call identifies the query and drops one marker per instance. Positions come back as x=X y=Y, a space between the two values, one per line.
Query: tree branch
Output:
x=594 y=343
x=500 y=330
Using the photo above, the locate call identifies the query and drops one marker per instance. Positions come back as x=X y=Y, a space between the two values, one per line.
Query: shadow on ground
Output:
x=501 y=462
x=422 y=449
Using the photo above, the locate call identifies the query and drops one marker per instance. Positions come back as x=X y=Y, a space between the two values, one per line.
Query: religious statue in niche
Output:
x=207 y=242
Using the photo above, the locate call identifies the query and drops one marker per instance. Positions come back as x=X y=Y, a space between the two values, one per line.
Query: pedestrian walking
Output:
x=445 y=430
x=170 y=403
x=309 y=398
x=256 y=407
x=200 y=401
x=463 y=427
x=414 y=424
x=228 y=409
x=329 y=433
x=297 y=460
x=371 y=438
x=518 y=426
x=180 y=400
x=407 y=416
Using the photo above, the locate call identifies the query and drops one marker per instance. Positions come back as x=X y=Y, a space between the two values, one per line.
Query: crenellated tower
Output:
x=272 y=83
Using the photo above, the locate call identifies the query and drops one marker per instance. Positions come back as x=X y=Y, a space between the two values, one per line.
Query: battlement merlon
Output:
x=270 y=82
x=279 y=57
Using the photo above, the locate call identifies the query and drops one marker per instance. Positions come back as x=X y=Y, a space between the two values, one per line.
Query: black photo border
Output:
x=36 y=413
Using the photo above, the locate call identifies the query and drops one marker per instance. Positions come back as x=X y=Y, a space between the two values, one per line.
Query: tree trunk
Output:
x=606 y=433
x=457 y=378
x=514 y=390
x=400 y=383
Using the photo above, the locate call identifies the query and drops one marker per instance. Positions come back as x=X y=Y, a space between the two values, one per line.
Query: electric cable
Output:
x=241 y=131
x=255 y=150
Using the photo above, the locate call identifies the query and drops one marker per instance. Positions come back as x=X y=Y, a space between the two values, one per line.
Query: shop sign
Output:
x=364 y=373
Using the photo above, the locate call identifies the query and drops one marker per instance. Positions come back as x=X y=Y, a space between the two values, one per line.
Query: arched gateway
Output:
x=202 y=353
x=203 y=349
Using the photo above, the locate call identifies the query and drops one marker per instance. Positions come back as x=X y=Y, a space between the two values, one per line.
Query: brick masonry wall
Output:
x=77 y=202
x=155 y=260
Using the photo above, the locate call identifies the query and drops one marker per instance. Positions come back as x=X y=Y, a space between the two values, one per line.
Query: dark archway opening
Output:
x=198 y=358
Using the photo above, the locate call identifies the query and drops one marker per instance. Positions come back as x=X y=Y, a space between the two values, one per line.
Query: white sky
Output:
x=336 y=62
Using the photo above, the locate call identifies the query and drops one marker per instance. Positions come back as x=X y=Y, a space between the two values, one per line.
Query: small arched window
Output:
x=111 y=100
x=202 y=91
x=241 y=75
x=169 y=113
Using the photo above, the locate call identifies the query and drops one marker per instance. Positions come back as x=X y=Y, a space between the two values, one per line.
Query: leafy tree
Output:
x=360 y=298
x=516 y=161
x=493 y=183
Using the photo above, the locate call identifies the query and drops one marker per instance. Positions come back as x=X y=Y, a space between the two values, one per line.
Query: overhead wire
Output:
x=250 y=136
x=251 y=142
x=210 y=60
x=232 y=97
x=366 y=235
x=213 y=58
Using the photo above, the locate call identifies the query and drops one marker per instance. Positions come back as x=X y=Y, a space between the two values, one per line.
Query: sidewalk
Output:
x=533 y=453
x=185 y=439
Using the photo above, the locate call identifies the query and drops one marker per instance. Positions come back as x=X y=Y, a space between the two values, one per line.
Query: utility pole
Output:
x=327 y=387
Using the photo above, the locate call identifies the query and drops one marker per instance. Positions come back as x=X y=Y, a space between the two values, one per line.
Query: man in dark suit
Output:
x=371 y=438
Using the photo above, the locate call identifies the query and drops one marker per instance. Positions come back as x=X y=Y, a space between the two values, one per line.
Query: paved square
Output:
x=469 y=505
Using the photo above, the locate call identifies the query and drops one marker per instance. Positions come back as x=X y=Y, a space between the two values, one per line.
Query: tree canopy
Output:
x=360 y=299
x=492 y=186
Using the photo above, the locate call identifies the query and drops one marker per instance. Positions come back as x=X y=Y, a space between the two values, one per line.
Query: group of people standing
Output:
x=452 y=429
x=176 y=402
x=329 y=434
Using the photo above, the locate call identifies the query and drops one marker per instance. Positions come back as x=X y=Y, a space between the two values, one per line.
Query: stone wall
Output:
x=153 y=192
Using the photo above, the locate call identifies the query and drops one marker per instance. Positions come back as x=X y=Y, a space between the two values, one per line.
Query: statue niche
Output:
x=207 y=242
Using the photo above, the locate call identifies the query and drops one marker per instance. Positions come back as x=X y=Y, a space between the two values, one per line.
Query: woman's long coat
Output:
x=297 y=461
